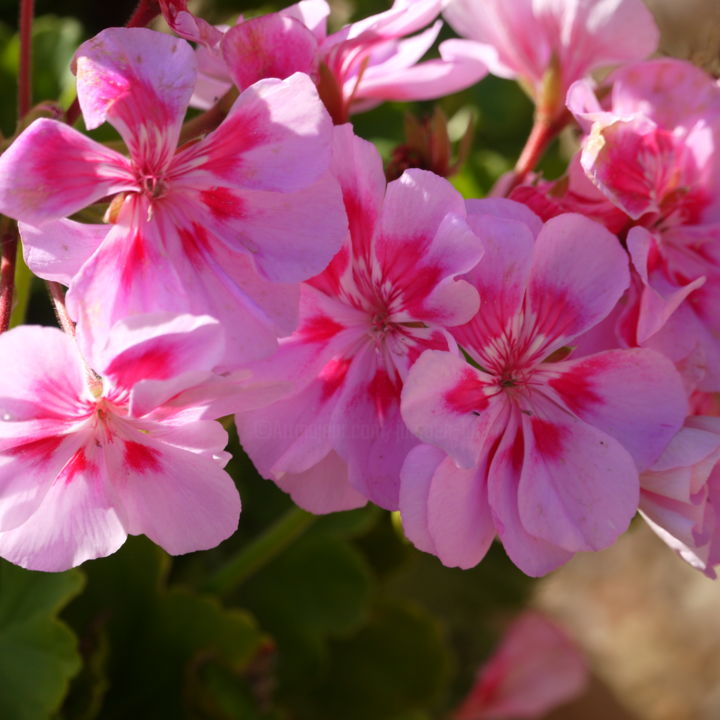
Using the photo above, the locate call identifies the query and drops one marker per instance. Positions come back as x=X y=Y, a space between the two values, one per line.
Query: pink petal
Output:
x=270 y=46
x=500 y=278
x=183 y=501
x=291 y=236
x=424 y=81
x=536 y=668
x=415 y=482
x=578 y=486
x=277 y=137
x=617 y=392
x=448 y=403
x=534 y=556
x=312 y=14
x=52 y=171
x=57 y=249
x=75 y=521
x=672 y=93
x=323 y=488
x=567 y=303
x=459 y=518
x=140 y=81
x=403 y=18
x=357 y=165
x=655 y=307
x=159 y=347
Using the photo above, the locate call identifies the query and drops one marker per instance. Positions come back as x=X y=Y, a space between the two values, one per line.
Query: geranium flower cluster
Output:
x=535 y=368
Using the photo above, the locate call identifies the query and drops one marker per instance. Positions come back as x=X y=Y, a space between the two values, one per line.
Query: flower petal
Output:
x=140 y=81
x=75 y=522
x=183 y=501
x=52 y=171
x=57 y=249
x=270 y=46
x=617 y=392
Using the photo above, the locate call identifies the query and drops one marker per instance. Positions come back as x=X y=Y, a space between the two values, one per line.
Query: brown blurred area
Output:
x=650 y=626
x=690 y=29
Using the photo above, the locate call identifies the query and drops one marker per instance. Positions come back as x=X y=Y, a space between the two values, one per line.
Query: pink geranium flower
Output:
x=680 y=494
x=536 y=668
x=120 y=442
x=227 y=225
x=540 y=450
x=356 y=68
x=651 y=152
x=387 y=296
x=549 y=44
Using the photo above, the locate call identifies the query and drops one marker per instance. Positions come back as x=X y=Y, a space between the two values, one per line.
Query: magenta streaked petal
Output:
x=159 y=347
x=277 y=136
x=140 y=81
x=52 y=171
x=448 y=403
x=182 y=500
x=578 y=486
x=564 y=304
x=534 y=556
x=74 y=522
x=290 y=236
x=616 y=392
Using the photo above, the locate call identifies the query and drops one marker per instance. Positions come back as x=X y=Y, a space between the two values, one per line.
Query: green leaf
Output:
x=319 y=588
x=38 y=653
x=161 y=639
x=394 y=667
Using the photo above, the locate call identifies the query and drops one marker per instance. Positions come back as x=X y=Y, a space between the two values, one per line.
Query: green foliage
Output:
x=38 y=654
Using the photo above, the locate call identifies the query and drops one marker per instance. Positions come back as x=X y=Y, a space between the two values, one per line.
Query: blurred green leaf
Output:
x=38 y=653
x=160 y=637
x=392 y=668
x=319 y=588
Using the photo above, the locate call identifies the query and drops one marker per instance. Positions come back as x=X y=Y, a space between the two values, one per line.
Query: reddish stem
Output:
x=543 y=132
x=27 y=10
x=8 y=253
x=58 y=299
x=146 y=11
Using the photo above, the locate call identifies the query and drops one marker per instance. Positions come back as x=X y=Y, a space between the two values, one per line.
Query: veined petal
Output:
x=140 y=81
x=52 y=171
x=500 y=278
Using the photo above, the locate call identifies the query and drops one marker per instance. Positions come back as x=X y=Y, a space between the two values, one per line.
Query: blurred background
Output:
x=348 y=622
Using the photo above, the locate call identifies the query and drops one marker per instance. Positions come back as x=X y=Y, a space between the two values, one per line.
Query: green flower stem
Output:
x=259 y=552
x=23 y=287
